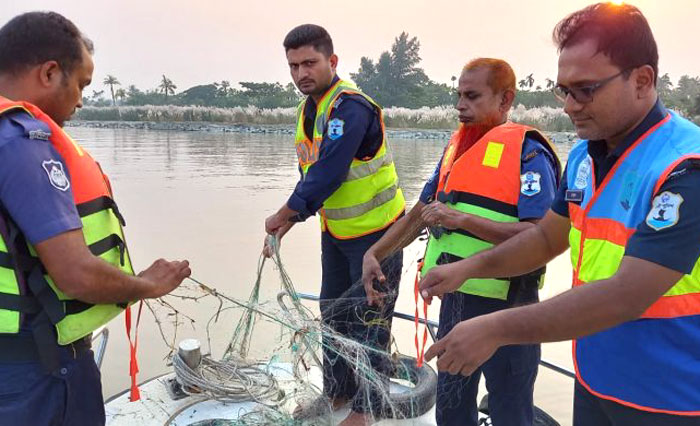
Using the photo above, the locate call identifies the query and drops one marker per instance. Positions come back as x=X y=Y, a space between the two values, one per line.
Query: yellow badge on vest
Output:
x=494 y=152
x=448 y=155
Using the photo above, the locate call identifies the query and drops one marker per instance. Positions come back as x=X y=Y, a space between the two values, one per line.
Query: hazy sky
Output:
x=201 y=41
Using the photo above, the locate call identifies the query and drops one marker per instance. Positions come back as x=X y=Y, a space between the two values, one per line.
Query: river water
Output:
x=204 y=196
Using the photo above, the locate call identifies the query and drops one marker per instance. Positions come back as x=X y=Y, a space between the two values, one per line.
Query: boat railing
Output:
x=432 y=330
x=103 y=335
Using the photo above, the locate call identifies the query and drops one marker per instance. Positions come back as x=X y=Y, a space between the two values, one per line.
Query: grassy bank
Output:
x=444 y=117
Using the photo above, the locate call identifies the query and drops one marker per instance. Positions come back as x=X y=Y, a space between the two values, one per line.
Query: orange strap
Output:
x=420 y=349
x=135 y=395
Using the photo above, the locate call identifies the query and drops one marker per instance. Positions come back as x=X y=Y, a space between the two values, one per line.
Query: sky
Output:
x=202 y=41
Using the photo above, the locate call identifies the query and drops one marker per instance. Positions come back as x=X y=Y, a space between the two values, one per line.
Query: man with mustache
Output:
x=349 y=178
x=628 y=210
x=496 y=179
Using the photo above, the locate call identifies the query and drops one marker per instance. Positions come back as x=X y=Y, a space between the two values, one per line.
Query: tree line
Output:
x=395 y=79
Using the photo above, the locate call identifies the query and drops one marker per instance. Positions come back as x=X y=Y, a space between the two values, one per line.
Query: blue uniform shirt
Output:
x=361 y=138
x=532 y=206
x=676 y=247
x=41 y=206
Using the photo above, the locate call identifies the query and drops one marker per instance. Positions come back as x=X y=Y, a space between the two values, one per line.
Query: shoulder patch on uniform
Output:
x=33 y=128
x=57 y=176
x=530 y=183
x=335 y=128
x=665 y=210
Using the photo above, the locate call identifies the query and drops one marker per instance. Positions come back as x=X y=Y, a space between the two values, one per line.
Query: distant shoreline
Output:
x=272 y=129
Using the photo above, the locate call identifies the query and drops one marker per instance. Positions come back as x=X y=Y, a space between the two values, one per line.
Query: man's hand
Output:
x=272 y=242
x=467 y=346
x=442 y=279
x=275 y=222
x=165 y=276
x=371 y=271
x=279 y=223
x=438 y=214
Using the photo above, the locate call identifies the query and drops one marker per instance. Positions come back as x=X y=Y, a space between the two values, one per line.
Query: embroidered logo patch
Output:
x=335 y=128
x=583 y=173
x=530 y=183
x=39 y=135
x=664 y=210
x=57 y=177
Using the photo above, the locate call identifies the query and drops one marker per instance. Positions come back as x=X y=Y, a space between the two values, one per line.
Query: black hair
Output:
x=36 y=37
x=309 y=35
x=621 y=31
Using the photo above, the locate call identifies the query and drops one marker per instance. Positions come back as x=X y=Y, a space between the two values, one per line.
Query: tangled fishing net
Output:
x=275 y=355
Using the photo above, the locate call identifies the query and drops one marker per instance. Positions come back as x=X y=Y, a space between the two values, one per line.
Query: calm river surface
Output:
x=204 y=196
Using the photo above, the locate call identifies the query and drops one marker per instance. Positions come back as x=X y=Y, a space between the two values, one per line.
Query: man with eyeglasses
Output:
x=628 y=207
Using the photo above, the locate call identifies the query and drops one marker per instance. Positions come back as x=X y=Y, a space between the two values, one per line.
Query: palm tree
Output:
x=120 y=94
x=167 y=87
x=549 y=82
x=111 y=81
x=530 y=81
x=453 y=81
x=522 y=84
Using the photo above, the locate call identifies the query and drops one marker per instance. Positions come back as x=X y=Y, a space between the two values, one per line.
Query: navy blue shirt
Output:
x=676 y=247
x=361 y=137
x=34 y=181
x=535 y=158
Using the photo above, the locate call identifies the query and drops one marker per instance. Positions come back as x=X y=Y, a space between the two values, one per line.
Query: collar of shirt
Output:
x=310 y=105
x=598 y=149
x=310 y=111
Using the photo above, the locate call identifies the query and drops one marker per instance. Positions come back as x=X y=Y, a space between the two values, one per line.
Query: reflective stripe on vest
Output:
x=102 y=229
x=483 y=181
x=369 y=199
x=652 y=363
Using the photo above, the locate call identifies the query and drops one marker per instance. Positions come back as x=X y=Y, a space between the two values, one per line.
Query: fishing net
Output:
x=279 y=345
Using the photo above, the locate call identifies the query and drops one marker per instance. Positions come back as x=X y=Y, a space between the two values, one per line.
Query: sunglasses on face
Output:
x=583 y=94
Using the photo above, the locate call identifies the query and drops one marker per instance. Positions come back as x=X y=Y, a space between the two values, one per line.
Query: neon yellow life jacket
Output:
x=369 y=199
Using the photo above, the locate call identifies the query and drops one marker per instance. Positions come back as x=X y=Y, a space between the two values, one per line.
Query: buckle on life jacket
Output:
x=437 y=231
x=444 y=197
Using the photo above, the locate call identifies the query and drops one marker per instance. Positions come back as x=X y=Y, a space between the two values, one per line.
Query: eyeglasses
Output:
x=583 y=94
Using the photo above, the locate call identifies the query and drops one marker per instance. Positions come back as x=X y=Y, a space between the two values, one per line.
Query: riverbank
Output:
x=271 y=129
x=424 y=118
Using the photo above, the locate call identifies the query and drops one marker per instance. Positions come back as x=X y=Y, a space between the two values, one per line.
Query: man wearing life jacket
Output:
x=495 y=179
x=65 y=269
x=348 y=177
x=628 y=209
